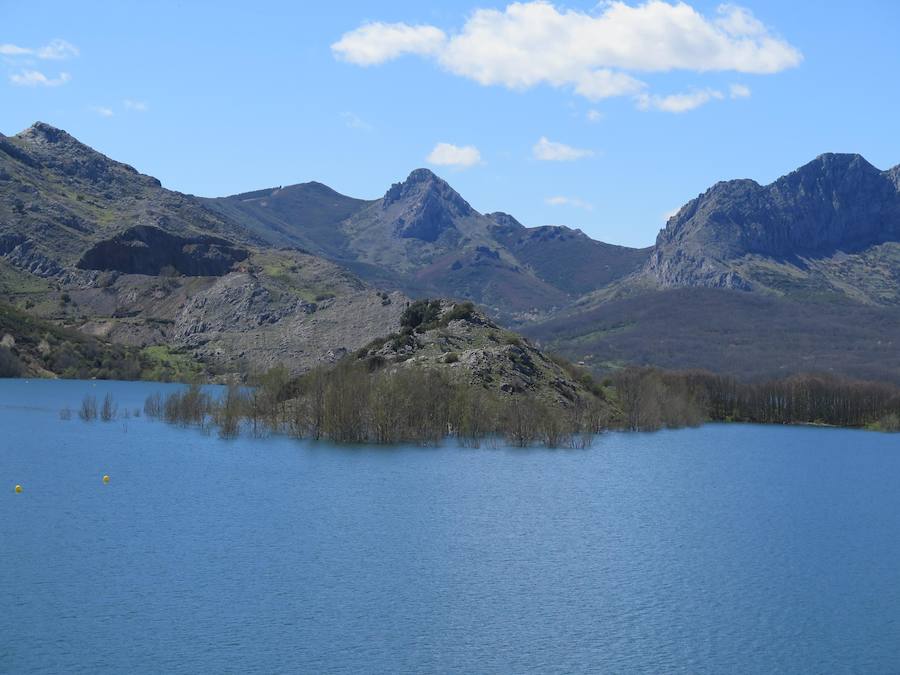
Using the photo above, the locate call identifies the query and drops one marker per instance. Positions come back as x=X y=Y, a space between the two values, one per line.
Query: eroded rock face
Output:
x=150 y=250
x=895 y=176
x=235 y=303
x=834 y=203
x=20 y=251
x=676 y=269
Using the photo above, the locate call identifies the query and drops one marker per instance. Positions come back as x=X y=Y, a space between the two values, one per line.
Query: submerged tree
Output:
x=88 y=410
x=109 y=409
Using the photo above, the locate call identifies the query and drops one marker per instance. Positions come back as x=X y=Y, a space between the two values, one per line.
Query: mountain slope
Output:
x=750 y=335
x=91 y=244
x=568 y=259
x=423 y=238
x=799 y=275
x=304 y=215
x=58 y=197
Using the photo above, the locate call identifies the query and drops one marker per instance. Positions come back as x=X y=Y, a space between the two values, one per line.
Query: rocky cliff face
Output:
x=834 y=203
x=149 y=250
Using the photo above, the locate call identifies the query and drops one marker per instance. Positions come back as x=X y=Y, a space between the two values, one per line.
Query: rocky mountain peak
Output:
x=837 y=169
x=43 y=133
x=45 y=137
x=44 y=144
x=424 y=206
x=422 y=185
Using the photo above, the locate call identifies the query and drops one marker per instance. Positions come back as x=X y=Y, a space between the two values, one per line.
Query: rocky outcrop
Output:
x=894 y=175
x=236 y=303
x=676 y=269
x=20 y=252
x=473 y=349
x=150 y=250
x=505 y=222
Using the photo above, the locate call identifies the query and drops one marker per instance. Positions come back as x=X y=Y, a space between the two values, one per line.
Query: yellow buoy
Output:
x=18 y=489
x=105 y=479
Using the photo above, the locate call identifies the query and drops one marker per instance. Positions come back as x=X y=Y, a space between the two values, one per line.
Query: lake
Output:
x=729 y=548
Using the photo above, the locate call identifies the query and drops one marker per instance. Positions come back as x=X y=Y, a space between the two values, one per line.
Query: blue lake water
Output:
x=730 y=548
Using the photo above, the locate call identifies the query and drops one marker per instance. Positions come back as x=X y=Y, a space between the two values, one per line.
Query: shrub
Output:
x=10 y=366
x=420 y=313
x=464 y=310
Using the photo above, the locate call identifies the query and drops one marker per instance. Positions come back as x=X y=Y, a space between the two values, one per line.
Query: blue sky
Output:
x=215 y=98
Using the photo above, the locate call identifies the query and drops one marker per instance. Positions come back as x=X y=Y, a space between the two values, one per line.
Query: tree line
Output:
x=350 y=404
x=651 y=398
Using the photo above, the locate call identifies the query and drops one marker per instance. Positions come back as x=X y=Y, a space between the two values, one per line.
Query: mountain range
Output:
x=754 y=280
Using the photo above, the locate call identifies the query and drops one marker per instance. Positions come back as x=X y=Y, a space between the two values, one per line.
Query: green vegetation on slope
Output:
x=31 y=347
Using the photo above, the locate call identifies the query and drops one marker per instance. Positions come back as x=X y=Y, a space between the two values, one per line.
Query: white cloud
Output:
x=354 y=121
x=549 y=151
x=678 y=103
x=606 y=83
x=137 y=106
x=535 y=43
x=569 y=201
x=461 y=157
x=13 y=50
x=102 y=111
x=35 y=78
x=594 y=116
x=55 y=50
x=739 y=22
x=739 y=91
x=375 y=43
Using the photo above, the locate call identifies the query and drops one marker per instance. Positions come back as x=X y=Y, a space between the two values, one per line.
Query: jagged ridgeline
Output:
x=758 y=281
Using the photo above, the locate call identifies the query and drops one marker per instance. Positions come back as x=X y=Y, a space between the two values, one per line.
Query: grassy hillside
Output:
x=305 y=216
